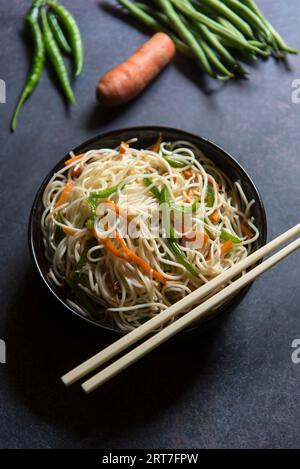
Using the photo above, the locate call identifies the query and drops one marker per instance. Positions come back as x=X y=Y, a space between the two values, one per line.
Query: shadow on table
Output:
x=44 y=342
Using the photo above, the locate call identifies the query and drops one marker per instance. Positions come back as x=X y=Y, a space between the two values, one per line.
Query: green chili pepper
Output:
x=69 y=23
x=154 y=190
x=175 y=248
x=38 y=58
x=58 y=33
x=56 y=59
x=225 y=236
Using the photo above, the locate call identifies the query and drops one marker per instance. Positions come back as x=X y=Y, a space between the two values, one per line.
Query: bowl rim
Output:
x=231 y=304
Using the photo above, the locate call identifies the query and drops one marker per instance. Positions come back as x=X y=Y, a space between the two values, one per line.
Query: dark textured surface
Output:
x=237 y=386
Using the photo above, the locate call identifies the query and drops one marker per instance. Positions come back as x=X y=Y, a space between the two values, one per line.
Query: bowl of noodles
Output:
x=132 y=221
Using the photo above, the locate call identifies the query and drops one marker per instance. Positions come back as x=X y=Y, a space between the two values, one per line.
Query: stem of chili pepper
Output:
x=38 y=58
x=56 y=58
x=73 y=32
x=58 y=33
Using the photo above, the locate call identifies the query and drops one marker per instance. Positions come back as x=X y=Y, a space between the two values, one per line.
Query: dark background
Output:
x=234 y=387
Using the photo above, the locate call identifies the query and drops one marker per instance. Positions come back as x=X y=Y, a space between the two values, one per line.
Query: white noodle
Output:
x=131 y=295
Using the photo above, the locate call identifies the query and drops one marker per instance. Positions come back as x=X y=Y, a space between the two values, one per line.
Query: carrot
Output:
x=74 y=158
x=194 y=234
x=65 y=194
x=226 y=247
x=157 y=144
x=191 y=236
x=214 y=217
x=123 y=148
x=246 y=230
x=210 y=180
x=188 y=174
x=140 y=262
x=125 y=81
x=109 y=245
x=69 y=231
x=115 y=207
x=76 y=172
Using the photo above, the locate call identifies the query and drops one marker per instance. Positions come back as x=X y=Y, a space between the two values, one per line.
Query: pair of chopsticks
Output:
x=201 y=311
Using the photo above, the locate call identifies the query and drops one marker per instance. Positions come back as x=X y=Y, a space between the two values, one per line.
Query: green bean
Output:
x=58 y=33
x=249 y=15
x=210 y=54
x=231 y=16
x=186 y=35
x=217 y=64
x=276 y=36
x=224 y=22
x=56 y=59
x=147 y=15
x=222 y=51
x=37 y=61
x=188 y=10
x=69 y=23
x=213 y=41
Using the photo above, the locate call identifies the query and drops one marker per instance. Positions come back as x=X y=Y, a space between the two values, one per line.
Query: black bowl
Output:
x=146 y=136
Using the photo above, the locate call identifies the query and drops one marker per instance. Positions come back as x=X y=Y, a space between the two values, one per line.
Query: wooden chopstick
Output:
x=201 y=311
x=143 y=330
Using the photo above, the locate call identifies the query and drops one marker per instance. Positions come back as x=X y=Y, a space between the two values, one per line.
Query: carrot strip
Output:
x=139 y=261
x=123 y=148
x=76 y=172
x=117 y=209
x=109 y=245
x=69 y=231
x=246 y=230
x=226 y=247
x=114 y=206
x=210 y=180
x=188 y=174
x=65 y=194
x=157 y=144
x=74 y=158
x=214 y=217
x=194 y=233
